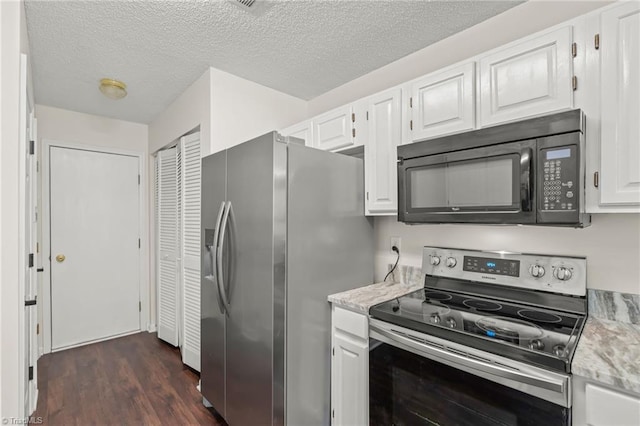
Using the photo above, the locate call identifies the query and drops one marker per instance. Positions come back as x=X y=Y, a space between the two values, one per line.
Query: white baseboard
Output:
x=152 y=328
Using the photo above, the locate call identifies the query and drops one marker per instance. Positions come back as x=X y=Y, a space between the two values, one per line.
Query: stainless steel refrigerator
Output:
x=283 y=226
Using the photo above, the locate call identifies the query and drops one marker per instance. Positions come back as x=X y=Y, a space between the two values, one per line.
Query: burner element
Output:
x=482 y=305
x=539 y=316
x=436 y=295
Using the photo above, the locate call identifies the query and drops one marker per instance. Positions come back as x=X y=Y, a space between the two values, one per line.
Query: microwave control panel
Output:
x=560 y=180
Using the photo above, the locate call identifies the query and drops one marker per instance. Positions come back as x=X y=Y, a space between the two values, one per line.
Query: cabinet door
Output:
x=302 y=130
x=443 y=103
x=620 y=98
x=349 y=376
x=528 y=78
x=385 y=134
x=606 y=407
x=334 y=130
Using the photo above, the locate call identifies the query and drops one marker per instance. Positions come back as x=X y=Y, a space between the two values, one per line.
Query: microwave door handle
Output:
x=526 y=180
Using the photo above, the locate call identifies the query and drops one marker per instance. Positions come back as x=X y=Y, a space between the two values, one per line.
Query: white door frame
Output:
x=143 y=223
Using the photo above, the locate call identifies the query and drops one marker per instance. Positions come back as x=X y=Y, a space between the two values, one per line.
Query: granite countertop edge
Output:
x=362 y=298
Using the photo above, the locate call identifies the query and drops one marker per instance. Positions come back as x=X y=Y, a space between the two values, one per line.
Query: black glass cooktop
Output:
x=545 y=337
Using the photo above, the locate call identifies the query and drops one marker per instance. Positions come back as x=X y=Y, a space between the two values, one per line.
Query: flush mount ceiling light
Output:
x=113 y=89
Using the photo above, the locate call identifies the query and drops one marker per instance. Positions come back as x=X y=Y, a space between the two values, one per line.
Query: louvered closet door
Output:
x=168 y=222
x=190 y=248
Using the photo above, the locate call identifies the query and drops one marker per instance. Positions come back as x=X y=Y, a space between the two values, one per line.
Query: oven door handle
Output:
x=462 y=360
x=526 y=180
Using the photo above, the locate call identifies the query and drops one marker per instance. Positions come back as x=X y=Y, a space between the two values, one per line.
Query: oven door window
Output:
x=481 y=184
x=407 y=389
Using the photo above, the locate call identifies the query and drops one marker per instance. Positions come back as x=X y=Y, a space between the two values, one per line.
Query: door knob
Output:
x=60 y=258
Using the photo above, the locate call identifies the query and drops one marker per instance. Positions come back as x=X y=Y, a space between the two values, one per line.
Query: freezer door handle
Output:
x=221 y=284
x=213 y=253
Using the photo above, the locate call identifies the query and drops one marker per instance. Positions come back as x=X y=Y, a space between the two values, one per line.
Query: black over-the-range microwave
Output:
x=528 y=172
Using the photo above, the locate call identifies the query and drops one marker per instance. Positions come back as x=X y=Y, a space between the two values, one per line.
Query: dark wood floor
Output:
x=135 y=379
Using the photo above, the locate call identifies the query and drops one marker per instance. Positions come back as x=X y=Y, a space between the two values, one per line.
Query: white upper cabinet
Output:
x=620 y=105
x=384 y=135
x=443 y=103
x=527 y=78
x=302 y=130
x=334 y=130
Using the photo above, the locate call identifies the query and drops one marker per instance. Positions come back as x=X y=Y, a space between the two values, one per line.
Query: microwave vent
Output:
x=245 y=3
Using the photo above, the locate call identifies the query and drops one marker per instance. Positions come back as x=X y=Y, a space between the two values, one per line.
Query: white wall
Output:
x=242 y=110
x=517 y=22
x=13 y=41
x=100 y=132
x=612 y=243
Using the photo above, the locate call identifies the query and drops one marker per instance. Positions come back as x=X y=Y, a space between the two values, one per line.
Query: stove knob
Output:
x=451 y=322
x=435 y=260
x=558 y=350
x=536 y=271
x=536 y=345
x=451 y=262
x=562 y=273
x=435 y=318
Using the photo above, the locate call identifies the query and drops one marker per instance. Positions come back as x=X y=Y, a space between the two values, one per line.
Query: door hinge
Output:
x=139 y=244
x=596 y=41
x=353 y=132
x=596 y=179
x=574 y=83
x=38 y=328
x=574 y=49
x=139 y=306
x=32 y=147
x=410 y=124
x=30 y=302
x=30 y=260
x=411 y=102
x=30 y=373
x=138 y=179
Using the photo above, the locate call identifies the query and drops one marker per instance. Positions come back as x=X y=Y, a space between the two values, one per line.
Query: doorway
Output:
x=94 y=206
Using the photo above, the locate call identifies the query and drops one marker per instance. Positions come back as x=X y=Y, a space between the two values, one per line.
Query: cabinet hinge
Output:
x=574 y=49
x=38 y=328
x=596 y=179
x=30 y=260
x=32 y=147
x=353 y=132
x=333 y=413
x=30 y=373
x=138 y=179
x=353 y=117
x=333 y=351
x=411 y=102
x=574 y=83
x=596 y=41
x=410 y=124
x=37 y=166
x=30 y=302
x=367 y=115
x=139 y=244
x=367 y=195
x=139 y=306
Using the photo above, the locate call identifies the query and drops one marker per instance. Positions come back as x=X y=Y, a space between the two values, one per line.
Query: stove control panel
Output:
x=556 y=274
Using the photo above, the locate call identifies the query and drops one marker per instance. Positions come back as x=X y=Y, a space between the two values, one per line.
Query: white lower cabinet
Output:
x=349 y=368
x=600 y=405
x=380 y=154
x=527 y=78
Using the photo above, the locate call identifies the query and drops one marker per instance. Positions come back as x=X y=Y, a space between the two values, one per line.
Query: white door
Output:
x=334 y=130
x=167 y=220
x=620 y=97
x=349 y=375
x=443 y=103
x=190 y=248
x=380 y=155
x=527 y=78
x=95 y=288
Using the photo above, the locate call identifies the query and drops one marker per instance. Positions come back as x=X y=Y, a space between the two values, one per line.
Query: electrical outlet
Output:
x=395 y=241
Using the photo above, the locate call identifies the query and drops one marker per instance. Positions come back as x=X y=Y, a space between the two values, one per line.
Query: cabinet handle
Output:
x=596 y=179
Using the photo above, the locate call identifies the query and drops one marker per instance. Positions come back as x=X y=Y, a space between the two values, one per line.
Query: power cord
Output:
x=394 y=248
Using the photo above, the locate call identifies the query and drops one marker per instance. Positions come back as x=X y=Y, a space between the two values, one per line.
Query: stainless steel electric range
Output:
x=488 y=341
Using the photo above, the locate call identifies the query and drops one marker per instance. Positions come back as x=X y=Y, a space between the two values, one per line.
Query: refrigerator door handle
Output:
x=213 y=252
x=221 y=284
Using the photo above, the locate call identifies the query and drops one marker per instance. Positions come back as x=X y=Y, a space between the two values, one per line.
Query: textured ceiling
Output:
x=159 y=48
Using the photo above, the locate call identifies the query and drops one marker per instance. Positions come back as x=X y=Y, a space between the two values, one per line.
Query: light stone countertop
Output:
x=609 y=352
x=361 y=299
